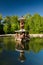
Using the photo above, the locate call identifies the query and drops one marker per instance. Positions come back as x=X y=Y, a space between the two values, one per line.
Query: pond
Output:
x=31 y=56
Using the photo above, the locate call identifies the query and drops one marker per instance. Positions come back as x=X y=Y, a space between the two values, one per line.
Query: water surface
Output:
x=33 y=56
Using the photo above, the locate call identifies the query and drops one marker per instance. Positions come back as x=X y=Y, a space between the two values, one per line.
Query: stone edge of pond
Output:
x=31 y=35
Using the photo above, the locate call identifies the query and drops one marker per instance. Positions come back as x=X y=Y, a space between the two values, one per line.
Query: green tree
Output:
x=14 y=24
x=27 y=18
x=1 y=26
x=7 y=24
x=36 y=20
x=33 y=23
x=0 y=18
x=41 y=26
x=5 y=28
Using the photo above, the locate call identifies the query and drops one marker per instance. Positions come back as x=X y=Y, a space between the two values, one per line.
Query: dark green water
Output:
x=33 y=56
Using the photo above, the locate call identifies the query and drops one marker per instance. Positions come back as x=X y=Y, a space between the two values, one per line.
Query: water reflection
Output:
x=8 y=43
x=21 y=46
x=8 y=54
x=11 y=58
x=22 y=57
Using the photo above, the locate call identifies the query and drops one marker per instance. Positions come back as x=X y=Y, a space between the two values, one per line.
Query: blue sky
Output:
x=21 y=7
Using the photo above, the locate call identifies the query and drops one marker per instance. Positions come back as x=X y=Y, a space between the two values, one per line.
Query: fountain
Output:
x=22 y=38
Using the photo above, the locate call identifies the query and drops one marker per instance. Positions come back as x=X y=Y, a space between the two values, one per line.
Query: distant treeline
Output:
x=33 y=24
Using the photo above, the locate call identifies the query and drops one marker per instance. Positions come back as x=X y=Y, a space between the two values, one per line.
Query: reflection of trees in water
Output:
x=23 y=45
x=36 y=44
x=8 y=43
x=22 y=56
x=1 y=43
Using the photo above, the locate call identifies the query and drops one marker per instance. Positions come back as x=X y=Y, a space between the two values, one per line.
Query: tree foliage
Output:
x=33 y=23
x=1 y=26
